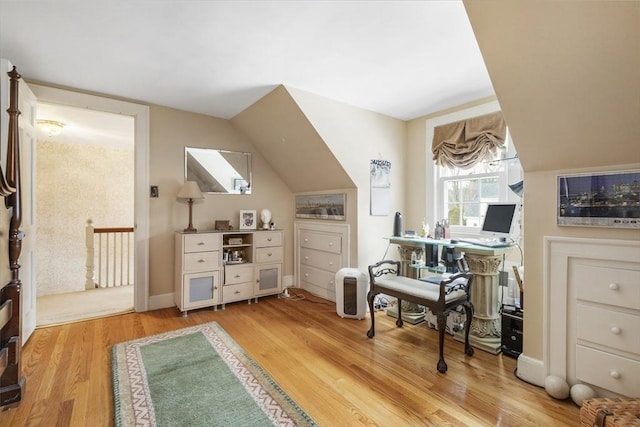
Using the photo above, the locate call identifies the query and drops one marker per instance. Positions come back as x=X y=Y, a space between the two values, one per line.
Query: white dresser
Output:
x=592 y=288
x=215 y=268
x=608 y=326
x=320 y=251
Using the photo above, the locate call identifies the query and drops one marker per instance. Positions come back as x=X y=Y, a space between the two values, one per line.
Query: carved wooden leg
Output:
x=468 y=309
x=370 y=297
x=399 y=321
x=442 y=326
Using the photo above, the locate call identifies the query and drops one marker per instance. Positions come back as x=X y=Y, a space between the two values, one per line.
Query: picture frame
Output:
x=221 y=225
x=247 y=220
x=602 y=199
x=321 y=206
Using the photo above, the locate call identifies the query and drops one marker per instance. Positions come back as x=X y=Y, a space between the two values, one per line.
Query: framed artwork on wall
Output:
x=602 y=199
x=321 y=206
x=247 y=220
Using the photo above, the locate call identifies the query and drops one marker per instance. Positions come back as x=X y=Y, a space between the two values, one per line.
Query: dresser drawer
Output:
x=201 y=261
x=267 y=238
x=323 y=260
x=201 y=242
x=320 y=278
x=238 y=274
x=607 y=285
x=321 y=241
x=274 y=254
x=242 y=291
x=608 y=327
x=608 y=371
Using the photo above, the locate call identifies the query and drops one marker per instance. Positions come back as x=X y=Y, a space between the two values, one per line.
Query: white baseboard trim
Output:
x=531 y=370
x=157 y=302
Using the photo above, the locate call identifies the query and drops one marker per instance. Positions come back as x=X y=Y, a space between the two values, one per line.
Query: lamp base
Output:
x=190 y=230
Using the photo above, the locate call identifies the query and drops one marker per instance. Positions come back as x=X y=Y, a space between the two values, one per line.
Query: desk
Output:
x=483 y=263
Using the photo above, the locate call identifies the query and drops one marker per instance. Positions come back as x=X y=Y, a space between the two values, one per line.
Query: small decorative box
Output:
x=235 y=240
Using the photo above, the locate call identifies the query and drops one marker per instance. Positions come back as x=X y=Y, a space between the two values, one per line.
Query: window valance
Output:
x=465 y=143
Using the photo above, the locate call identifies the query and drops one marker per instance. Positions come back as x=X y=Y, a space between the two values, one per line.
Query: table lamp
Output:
x=190 y=191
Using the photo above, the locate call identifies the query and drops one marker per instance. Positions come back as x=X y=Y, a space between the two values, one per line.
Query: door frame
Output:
x=140 y=113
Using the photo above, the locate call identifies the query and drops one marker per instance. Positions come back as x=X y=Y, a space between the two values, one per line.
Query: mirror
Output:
x=218 y=171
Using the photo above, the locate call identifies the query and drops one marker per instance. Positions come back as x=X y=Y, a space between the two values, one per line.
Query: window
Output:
x=463 y=194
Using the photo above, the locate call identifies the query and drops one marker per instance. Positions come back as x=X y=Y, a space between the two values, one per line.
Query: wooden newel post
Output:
x=90 y=274
x=11 y=382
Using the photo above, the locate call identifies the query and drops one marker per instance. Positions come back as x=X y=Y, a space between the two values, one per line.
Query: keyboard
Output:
x=489 y=243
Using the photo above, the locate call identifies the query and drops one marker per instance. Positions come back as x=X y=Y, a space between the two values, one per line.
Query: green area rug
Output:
x=196 y=376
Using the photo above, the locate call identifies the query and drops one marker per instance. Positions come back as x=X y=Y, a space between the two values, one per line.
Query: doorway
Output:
x=140 y=115
x=88 y=157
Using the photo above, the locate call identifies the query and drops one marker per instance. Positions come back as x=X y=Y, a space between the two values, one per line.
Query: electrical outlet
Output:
x=154 y=192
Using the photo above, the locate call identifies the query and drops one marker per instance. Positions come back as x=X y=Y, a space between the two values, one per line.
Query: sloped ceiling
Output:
x=567 y=78
x=283 y=135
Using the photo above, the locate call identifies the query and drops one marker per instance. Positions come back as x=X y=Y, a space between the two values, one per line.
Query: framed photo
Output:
x=604 y=199
x=247 y=220
x=321 y=206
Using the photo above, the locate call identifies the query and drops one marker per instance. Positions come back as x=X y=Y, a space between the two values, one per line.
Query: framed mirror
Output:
x=218 y=171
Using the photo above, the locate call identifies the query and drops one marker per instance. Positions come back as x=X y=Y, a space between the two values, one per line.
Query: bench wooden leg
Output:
x=399 y=320
x=372 y=330
x=468 y=309
x=442 y=326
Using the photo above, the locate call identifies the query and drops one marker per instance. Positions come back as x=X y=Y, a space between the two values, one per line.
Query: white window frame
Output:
x=511 y=172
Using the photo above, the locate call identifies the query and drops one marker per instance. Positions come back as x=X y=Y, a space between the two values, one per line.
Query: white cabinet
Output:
x=607 y=324
x=197 y=271
x=320 y=251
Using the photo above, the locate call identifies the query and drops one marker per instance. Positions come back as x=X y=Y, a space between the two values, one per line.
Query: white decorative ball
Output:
x=581 y=392
x=556 y=387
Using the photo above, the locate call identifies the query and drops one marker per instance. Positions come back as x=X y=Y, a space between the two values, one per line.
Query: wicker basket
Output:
x=606 y=412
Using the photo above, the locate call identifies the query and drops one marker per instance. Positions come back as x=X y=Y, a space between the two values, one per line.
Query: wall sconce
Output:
x=50 y=127
x=192 y=192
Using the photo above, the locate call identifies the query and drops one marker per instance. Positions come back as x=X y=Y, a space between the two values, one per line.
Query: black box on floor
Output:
x=512 y=331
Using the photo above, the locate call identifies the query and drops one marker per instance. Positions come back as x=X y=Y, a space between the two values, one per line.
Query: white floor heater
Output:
x=351 y=293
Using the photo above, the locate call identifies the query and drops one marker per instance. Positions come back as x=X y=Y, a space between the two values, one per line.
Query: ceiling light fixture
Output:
x=51 y=127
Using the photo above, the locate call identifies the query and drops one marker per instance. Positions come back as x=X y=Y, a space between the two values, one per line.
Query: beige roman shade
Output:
x=465 y=143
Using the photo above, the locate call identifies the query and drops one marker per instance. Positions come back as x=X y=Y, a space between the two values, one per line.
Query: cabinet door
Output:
x=201 y=289
x=268 y=279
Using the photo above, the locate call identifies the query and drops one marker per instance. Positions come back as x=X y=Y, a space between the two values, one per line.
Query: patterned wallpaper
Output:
x=75 y=183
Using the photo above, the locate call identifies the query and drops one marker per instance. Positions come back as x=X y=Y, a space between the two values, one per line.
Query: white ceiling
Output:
x=404 y=59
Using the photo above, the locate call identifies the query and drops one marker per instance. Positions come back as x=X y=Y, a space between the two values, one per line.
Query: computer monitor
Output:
x=498 y=220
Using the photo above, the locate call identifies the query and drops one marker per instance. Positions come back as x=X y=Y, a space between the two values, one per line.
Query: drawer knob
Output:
x=331 y=244
x=331 y=282
x=306 y=257
x=269 y=239
x=306 y=240
x=306 y=274
x=236 y=276
x=200 y=243
x=614 y=286
x=615 y=375
x=615 y=330
x=236 y=292
x=269 y=254
x=331 y=263
x=200 y=260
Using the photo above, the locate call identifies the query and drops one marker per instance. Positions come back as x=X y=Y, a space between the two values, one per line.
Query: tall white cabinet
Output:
x=215 y=268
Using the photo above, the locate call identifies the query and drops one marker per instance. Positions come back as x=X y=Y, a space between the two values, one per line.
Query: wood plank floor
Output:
x=325 y=363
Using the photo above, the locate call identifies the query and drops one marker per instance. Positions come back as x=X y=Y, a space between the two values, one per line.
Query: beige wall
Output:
x=170 y=131
x=355 y=137
x=87 y=186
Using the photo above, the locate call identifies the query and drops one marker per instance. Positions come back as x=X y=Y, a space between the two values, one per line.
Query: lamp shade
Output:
x=190 y=190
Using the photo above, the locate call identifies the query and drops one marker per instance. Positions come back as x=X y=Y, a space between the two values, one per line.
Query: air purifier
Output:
x=351 y=293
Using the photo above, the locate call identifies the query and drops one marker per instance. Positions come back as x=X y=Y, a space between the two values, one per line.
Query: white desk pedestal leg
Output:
x=485 y=296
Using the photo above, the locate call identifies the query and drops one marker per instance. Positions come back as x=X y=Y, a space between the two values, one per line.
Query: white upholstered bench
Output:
x=440 y=298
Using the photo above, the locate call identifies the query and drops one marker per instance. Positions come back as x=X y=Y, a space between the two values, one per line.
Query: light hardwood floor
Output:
x=325 y=363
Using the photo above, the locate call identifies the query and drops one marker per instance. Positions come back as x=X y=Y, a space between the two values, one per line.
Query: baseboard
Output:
x=531 y=370
x=157 y=302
